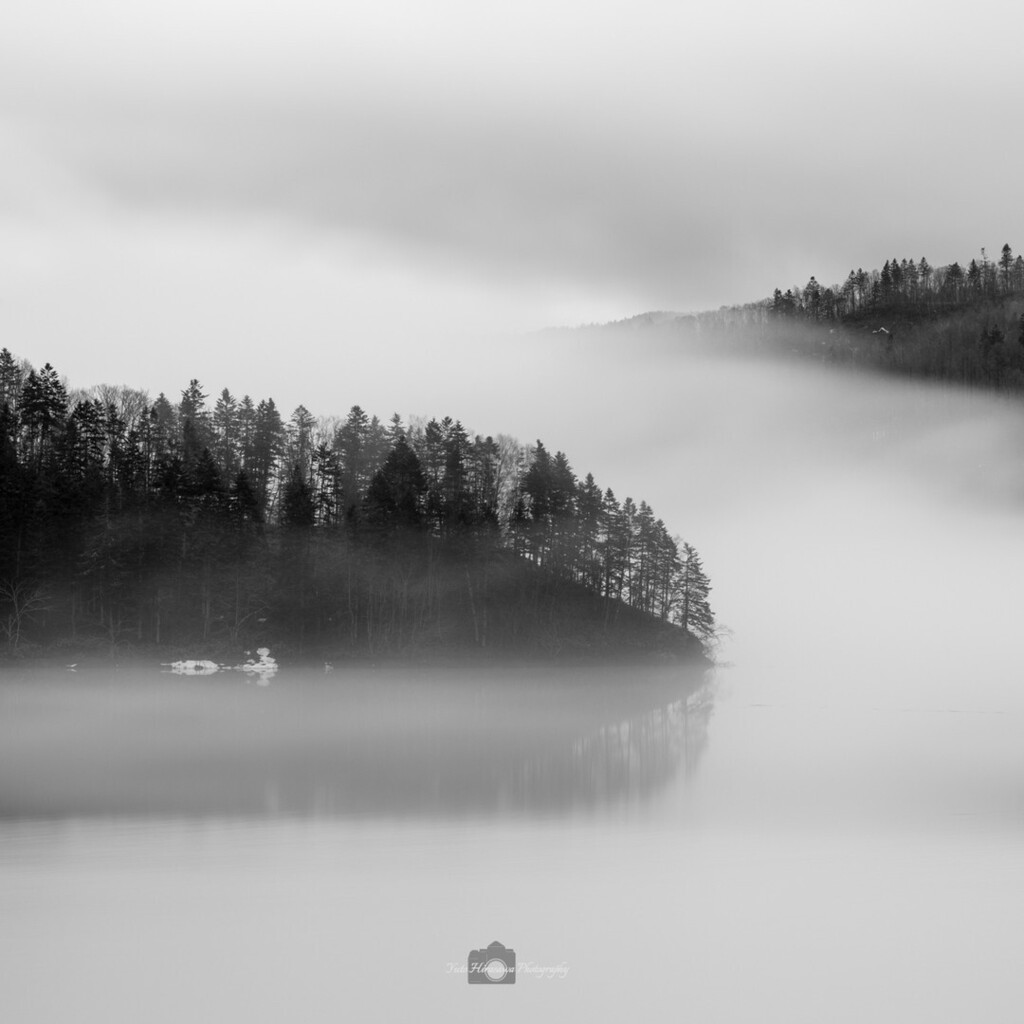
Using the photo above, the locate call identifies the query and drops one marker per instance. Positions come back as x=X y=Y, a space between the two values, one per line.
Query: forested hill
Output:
x=961 y=323
x=129 y=522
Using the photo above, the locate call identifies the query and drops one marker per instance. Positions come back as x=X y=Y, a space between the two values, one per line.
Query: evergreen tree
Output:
x=327 y=486
x=610 y=546
x=1006 y=265
x=954 y=280
x=886 y=282
x=164 y=422
x=226 y=446
x=395 y=430
x=925 y=272
x=589 y=505
x=537 y=489
x=11 y=378
x=123 y=508
x=896 y=273
x=625 y=530
x=974 y=277
x=297 y=509
x=352 y=445
x=192 y=409
x=300 y=440
x=483 y=481
x=247 y=433
x=457 y=502
x=395 y=495
x=693 y=611
x=812 y=299
x=43 y=406
x=268 y=439
x=242 y=500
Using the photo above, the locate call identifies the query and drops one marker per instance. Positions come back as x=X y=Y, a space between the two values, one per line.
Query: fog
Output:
x=830 y=828
x=390 y=743
x=208 y=181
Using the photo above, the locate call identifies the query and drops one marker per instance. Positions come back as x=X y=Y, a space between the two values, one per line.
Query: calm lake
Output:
x=830 y=827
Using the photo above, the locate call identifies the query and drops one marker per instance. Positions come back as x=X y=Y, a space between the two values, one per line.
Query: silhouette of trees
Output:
x=20 y=602
x=908 y=317
x=694 y=612
x=394 y=499
x=130 y=521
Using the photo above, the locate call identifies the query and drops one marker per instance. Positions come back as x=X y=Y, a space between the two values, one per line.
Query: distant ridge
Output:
x=963 y=324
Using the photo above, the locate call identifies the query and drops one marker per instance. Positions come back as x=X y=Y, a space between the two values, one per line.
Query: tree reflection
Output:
x=413 y=744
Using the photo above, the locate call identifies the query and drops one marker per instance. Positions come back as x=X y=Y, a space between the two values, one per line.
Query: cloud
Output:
x=675 y=159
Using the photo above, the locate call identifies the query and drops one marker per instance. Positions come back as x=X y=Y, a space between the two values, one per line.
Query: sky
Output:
x=375 y=203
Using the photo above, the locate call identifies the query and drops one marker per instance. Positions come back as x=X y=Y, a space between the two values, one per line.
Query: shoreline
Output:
x=84 y=656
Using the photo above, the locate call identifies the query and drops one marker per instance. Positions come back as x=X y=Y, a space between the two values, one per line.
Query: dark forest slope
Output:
x=963 y=324
x=130 y=523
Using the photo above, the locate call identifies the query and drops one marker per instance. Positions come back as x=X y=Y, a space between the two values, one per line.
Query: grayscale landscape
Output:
x=289 y=734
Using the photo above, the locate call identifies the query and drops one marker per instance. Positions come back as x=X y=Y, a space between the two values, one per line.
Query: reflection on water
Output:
x=406 y=744
x=320 y=848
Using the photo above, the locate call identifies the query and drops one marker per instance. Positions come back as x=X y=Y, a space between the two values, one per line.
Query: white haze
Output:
x=840 y=841
x=213 y=189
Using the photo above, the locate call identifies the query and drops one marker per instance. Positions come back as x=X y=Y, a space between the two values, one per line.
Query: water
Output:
x=831 y=829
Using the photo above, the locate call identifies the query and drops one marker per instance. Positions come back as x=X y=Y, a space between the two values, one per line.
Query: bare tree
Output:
x=21 y=601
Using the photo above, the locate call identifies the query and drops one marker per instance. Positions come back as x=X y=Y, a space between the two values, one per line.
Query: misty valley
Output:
x=511 y=512
x=522 y=722
x=392 y=742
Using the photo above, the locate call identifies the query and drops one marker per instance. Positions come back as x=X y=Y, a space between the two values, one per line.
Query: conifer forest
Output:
x=130 y=523
x=961 y=323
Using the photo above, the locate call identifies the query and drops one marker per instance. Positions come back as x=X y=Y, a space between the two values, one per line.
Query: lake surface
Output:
x=831 y=828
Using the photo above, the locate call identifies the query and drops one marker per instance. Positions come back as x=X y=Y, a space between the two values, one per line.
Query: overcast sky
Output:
x=339 y=203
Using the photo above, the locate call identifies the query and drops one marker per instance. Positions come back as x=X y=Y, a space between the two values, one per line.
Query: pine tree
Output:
x=693 y=612
x=1006 y=265
x=896 y=272
x=954 y=280
x=609 y=546
x=537 y=486
x=625 y=535
x=43 y=408
x=327 y=486
x=886 y=282
x=456 y=498
x=297 y=509
x=589 y=507
x=247 y=434
x=395 y=430
x=642 y=591
x=300 y=440
x=395 y=495
x=483 y=481
x=812 y=299
x=924 y=271
x=11 y=379
x=352 y=446
x=192 y=409
x=242 y=500
x=974 y=277
x=225 y=433
x=667 y=570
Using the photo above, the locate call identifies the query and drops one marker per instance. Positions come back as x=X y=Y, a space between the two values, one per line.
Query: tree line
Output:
x=134 y=521
x=905 y=285
x=960 y=322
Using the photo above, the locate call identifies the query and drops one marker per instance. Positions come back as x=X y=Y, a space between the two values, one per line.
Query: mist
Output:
x=829 y=824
